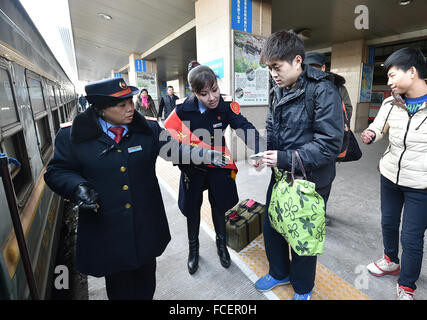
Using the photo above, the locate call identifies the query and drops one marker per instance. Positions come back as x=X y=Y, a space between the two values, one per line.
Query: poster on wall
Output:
x=147 y=80
x=250 y=78
x=366 y=83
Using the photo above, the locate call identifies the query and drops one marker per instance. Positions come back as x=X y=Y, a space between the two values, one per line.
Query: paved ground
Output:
x=352 y=241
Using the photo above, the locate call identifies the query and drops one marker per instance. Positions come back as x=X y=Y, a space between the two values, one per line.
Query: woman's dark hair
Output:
x=282 y=45
x=200 y=76
x=143 y=90
x=406 y=58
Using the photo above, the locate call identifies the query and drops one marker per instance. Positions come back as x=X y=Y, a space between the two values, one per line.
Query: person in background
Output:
x=210 y=113
x=403 y=169
x=145 y=104
x=105 y=163
x=82 y=102
x=317 y=139
x=318 y=60
x=167 y=103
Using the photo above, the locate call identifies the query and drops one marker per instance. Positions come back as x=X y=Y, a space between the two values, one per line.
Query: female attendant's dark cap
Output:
x=109 y=90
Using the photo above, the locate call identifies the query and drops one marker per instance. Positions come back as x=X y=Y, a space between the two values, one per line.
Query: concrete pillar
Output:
x=214 y=33
x=213 y=36
x=346 y=60
x=149 y=66
x=214 y=46
x=181 y=88
x=132 y=70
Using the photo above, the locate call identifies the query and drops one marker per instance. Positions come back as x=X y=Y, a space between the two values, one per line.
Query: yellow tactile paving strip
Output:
x=328 y=286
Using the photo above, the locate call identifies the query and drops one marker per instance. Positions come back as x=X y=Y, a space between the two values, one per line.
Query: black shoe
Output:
x=193 y=256
x=224 y=256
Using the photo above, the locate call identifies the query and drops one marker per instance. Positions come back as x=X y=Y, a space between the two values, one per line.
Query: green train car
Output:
x=36 y=96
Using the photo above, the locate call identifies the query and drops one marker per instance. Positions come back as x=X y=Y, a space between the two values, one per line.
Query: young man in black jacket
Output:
x=317 y=138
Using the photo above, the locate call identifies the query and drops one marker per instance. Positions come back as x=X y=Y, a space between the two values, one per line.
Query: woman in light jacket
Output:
x=403 y=168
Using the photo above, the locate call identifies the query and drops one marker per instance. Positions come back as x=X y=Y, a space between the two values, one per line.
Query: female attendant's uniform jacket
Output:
x=130 y=226
x=219 y=181
x=405 y=160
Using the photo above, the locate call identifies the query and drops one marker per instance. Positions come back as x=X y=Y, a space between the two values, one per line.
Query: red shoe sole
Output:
x=396 y=272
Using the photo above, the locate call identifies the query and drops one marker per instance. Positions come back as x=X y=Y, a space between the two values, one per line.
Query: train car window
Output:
x=57 y=96
x=52 y=101
x=14 y=146
x=64 y=110
x=8 y=113
x=36 y=95
x=56 y=120
x=45 y=140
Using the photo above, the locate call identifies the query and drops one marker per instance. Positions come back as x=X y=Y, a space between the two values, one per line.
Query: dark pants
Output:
x=393 y=198
x=301 y=269
x=138 y=284
x=222 y=194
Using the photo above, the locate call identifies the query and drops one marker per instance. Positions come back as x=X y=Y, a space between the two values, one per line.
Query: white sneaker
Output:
x=383 y=266
x=404 y=293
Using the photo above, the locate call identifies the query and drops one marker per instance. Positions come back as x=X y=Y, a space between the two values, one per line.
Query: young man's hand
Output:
x=270 y=158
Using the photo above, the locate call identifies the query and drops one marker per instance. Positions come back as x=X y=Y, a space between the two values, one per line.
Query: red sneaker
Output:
x=404 y=293
x=383 y=266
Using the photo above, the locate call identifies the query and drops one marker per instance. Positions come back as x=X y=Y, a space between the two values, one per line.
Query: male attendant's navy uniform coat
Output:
x=130 y=227
x=219 y=181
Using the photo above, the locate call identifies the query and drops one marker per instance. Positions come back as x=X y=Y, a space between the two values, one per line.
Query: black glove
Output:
x=215 y=158
x=85 y=196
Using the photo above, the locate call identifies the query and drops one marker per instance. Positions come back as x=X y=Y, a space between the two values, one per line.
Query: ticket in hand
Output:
x=257 y=156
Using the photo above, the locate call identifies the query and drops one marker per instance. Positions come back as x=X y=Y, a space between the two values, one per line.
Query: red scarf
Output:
x=144 y=102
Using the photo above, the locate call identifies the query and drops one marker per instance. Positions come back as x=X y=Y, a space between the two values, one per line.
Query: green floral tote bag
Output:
x=297 y=211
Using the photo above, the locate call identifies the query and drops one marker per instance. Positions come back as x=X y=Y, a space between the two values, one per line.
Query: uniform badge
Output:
x=134 y=149
x=235 y=107
x=123 y=85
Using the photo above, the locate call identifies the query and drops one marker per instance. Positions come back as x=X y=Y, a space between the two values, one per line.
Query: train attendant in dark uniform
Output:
x=105 y=163
x=207 y=112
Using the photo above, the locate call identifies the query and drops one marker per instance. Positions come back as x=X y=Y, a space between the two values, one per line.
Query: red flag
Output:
x=179 y=131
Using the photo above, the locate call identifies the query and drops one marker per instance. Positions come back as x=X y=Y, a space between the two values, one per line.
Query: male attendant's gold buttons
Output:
x=128 y=206
x=122 y=169
x=125 y=187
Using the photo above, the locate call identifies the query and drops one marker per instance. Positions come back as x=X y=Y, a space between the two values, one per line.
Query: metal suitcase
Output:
x=243 y=223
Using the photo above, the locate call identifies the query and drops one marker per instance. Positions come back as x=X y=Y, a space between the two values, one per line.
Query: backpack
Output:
x=343 y=156
x=350 y=150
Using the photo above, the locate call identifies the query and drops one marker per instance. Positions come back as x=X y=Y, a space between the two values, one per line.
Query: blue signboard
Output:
x=371 y=55
x=117 y=75
x=140 y=65
x=241 y=15
x=366 y=83
x=217 y=67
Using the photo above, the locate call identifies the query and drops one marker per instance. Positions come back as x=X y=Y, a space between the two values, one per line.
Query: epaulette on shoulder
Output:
x=150 y=118
x=227 y=98
x=180 y=101
x=66 y=124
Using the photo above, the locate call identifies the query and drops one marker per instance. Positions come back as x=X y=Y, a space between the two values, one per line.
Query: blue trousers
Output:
x=301 y=269
x=414 y=225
